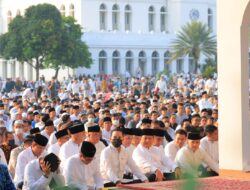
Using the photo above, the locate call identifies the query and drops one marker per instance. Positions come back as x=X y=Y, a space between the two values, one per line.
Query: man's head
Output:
x=18 y=127
x=195 y=121
x=53 y=161
x=180 y=138
x=77 y=133
x=87 y=152
x=193 y=141
x=107 y=123
x=39 y=144
x=62 y=136
x=147 y=138
x=116 y=137
x=158 y=137
x=94 y=134
x=49 y=127
x=127 y=137
x=211 y=132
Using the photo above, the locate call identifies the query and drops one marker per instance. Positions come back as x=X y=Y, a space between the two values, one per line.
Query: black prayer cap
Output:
x=61 y=133
x=77 y=128
x=53 y=161
x=95 y=128
x=41 y=140
x=127 y=131
x=51 y=109
x=194 y=136
x=45 y=118
x=88 y=149
x=106 y=119
x=159 y=132
x=148 y=132
x=137 y=131
x=49 y=123
x=146 y=121
x=34 y=130
x=210 y=128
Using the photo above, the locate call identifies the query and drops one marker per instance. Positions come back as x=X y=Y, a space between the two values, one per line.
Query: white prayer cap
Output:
x=20 y=122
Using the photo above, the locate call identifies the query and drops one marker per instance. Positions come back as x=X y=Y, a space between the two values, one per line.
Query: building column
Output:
x=122 y=65
x=233 y=79
x=185 y=65
x=109 y=64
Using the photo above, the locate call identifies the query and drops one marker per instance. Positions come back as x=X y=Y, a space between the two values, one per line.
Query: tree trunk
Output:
x=56 y=73
x=195 y=66
x=37 y=69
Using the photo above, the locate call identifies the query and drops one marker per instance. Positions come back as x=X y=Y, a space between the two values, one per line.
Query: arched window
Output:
x=103 y=17
x=128 y=13
x=129 y=62
x=164 y=20
x=71 y=10
x=155 y=62
x=179 y=65
x=210 y=19
x=166 y=61
x=62 y=10
x=142 y=63
x=116 y=63
x=18 y=12
x=103 y=62
x=151 y=19
x=115 y=17
x=9 y=17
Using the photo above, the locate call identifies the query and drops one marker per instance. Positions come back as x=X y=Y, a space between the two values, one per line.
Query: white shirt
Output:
x=73 y=117
x=162 y=85
x=22 y=160
x=52 y=139
x=113 y=164
x=205 y=104
x=190 y=161
x=171 y=150
x=54 y=148
x=149 y=160
x=2 y=157
x=76 y=87
x=99 y=148
x=211 y=148
x=45 y=134
x=67 y=150
x=34 y=179
x=74 y=173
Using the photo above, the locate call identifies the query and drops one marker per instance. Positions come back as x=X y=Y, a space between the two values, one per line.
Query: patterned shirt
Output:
x=5 y=179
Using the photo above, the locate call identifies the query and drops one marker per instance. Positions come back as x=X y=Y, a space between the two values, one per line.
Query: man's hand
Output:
x=177 y=173
x=45 y=168
x=159 y=175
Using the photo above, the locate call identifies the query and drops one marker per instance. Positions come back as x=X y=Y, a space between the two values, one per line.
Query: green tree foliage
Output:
x=72 y=52
x=194 y=39
x=42 y=38
x=209 y=68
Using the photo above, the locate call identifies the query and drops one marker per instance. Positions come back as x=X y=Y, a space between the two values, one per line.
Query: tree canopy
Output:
x=194 y=39
x=43 y=38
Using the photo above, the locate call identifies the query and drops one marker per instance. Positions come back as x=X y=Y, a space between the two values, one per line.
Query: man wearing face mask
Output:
x=76 y=166
x=18 y=129
x=114 y=158
x=115 y=120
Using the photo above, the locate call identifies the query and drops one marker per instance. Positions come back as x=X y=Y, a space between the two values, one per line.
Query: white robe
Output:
x=189 y=161
x=171 y=150
x=54 y=148
x=34 y=179
x=113 y=164
x=22 y=160
x=67 y=150
x=211 y=148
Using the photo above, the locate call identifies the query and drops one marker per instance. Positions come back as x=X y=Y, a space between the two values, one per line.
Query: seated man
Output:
x=190 y=157
x=173 y=147
x=35 y=151
x=78 y=168
x=40 y=172
x=152 y=161
x=211 y=146
x=114 y=158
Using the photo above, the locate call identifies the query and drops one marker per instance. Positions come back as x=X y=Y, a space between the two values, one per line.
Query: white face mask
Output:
x=115 y=122
x=91 y=120
x=18 y=131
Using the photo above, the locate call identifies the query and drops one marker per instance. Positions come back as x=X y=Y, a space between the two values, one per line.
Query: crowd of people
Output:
x=91 y=132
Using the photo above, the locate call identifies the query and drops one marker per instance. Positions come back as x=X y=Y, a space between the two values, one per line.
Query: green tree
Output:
x=194 y=39
x=72 y=51
x=31 y=38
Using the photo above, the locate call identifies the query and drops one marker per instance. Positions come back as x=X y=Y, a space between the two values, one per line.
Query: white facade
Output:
x=126 y=34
